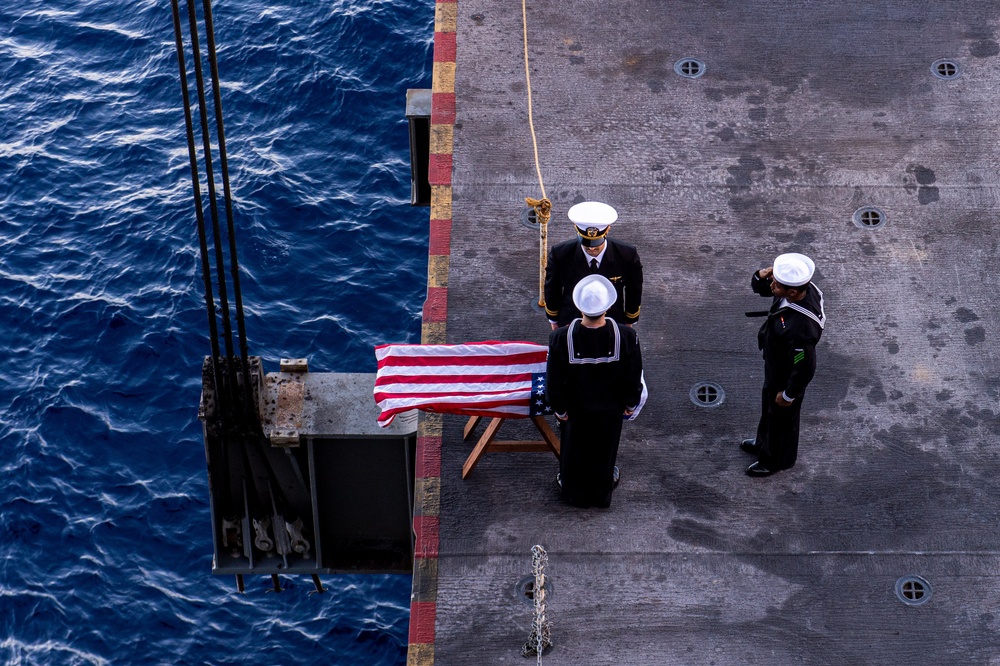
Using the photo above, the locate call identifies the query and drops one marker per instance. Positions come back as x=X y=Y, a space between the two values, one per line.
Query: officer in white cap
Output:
x=593 y=381
x=592 y=252
x=787 y=340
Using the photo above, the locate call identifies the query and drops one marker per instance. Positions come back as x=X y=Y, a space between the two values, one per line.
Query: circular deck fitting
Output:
x=869 y=217
x=529 y=218
x=525 y=589
x=689 y=68
x=707 y=394
x=946 y=69
x=913 y=590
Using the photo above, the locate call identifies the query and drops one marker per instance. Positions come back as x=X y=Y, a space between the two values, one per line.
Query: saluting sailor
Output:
x=788 y=340
x=594 y=375
x=592 y=253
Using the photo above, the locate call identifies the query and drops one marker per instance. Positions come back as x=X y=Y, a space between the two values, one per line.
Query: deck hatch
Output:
x=707 y=394
x=525 y=589
x=869 y=217
x=529 y=218
x=689 y=68
x=913 y=590
x=946 y=69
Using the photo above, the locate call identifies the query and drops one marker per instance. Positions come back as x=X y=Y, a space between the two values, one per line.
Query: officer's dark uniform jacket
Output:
x=788 y=338
x=568 y=264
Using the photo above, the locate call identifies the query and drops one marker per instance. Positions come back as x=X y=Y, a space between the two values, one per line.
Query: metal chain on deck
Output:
x=541 y=635
x=543 y=206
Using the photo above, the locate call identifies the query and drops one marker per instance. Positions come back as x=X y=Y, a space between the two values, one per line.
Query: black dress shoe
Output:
x=750 y=446
x=757 y=469
x=616 y=477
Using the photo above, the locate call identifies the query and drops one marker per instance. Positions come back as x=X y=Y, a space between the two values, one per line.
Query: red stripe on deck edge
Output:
x=439 y=169
x=423 y=617
x=428 y=532
x=444 y=47
x=443 y=108
x=440 y=237
x=428 y=464
x=436 y=305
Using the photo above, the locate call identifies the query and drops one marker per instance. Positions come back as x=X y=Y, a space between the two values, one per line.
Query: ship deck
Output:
x=805 y=113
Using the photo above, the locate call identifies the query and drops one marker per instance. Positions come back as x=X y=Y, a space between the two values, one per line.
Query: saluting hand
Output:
x=765 y=273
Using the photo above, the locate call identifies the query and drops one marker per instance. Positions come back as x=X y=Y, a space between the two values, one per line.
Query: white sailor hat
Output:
x=594 y=295
x=592 y=220
x=793 y=269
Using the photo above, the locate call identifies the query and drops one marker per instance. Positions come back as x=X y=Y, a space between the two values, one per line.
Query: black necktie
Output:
x=593 y=265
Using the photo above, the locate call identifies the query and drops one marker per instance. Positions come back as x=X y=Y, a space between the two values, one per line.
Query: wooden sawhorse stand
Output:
x=549 y=441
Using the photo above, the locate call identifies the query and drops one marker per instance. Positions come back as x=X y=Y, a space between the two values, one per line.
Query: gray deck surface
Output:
x=807 y=111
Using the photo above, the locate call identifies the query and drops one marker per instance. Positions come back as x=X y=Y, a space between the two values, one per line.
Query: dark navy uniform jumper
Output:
x=787 y=340
x=593 y=375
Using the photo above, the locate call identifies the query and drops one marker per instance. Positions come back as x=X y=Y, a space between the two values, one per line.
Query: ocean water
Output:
x=106 y=539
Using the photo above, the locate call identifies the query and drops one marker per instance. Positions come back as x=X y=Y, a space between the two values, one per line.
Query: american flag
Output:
x=505 y=379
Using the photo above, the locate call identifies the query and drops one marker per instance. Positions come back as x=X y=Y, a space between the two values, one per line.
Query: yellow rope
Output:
x=527 y=76
x=543 y=207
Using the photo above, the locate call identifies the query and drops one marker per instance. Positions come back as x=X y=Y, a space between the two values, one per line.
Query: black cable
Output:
x=206 y=269
x=234 y=266
x=213 y=205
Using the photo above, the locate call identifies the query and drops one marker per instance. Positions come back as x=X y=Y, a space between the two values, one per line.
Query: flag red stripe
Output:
x=448 y=379
x=448 y=408
x=479 y=359
x=477 y=379
x=518 y=394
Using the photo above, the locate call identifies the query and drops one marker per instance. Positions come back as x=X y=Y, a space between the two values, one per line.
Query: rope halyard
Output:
x=543 y=211
x=543 y=206
x=541 y=636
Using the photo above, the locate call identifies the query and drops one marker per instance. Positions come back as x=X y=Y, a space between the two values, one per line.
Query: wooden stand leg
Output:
x=484 y=441
x=471 y=425
x=550 y=441
x=547 y=434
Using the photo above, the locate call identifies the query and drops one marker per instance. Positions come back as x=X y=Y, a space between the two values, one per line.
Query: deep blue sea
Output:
x=106 y=538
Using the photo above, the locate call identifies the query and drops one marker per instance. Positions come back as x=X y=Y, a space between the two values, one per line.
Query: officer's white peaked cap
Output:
x=587 y=214
x=594 y=295
x=793 y=269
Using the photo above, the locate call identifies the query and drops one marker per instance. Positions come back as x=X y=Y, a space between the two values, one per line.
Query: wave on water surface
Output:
x=107 y=542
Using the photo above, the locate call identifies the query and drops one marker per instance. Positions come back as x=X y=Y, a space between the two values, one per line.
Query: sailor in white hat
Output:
x=592 y=252
x=787 y=340
x=593 y=296
x=593 y=381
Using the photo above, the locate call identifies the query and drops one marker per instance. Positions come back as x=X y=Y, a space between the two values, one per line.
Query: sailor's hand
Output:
x=629 y=412
x=780 y=400
x=765 y=273
x=562 y=417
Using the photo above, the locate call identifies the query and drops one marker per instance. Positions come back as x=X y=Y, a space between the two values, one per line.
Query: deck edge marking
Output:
x=446 y=17
x=433 y=330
